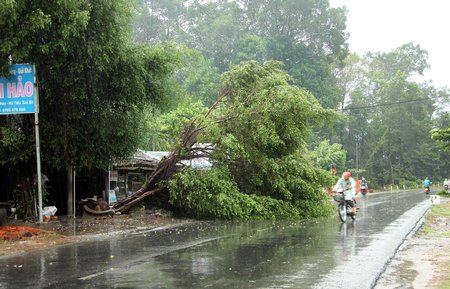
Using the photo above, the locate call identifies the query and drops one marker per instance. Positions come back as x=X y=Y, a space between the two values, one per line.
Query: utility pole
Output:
x=357 y=161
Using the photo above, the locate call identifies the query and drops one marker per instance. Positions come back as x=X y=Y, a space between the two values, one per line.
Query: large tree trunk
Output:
x=164 y=171
x=168 y=166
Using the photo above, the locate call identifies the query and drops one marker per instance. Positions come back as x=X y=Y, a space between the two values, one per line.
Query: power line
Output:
x=385 y=104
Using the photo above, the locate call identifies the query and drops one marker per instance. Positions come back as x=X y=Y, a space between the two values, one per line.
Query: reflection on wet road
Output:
x=314 y=254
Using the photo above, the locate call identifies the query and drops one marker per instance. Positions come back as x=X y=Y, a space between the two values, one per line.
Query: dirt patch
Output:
x=423 y=260
x=14 y=233
x=65 y=230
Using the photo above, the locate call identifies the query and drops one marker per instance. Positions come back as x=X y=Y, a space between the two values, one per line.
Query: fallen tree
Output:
x=258 y=125
x=157 y=182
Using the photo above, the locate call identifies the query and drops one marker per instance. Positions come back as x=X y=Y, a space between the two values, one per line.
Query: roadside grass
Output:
x=436 y=221
x=437 y=226
x=441 y=210
x=445 y=283
x=443 y=193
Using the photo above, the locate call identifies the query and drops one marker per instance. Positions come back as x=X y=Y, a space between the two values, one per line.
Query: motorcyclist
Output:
x=427 y=183
x=447 y=184
x=364 y=185
x=348 y=184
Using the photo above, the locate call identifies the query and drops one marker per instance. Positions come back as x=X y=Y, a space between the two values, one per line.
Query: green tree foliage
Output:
x=93 y=83
x=15 y=144
x=442 y=137
x=307 y=36
x=250 y=47
x=259 y=131
x=199 y=78
x=159 y=20
x=440 y=134
x=169 y=126
x=212 y=195
x=325 y=155
x=389 y=116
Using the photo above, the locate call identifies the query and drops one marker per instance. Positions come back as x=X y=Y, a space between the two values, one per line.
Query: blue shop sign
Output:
x=17 y=92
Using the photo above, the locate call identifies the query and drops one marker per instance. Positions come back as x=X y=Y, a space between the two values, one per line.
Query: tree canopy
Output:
x=442 y=137
x=307 y=36
x=95 y=88
x=389 y=116
x=259 y=130
x=93 y=82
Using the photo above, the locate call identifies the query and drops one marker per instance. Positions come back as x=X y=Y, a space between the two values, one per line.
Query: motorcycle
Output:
x=363 y=189
x=427 y=190
x=343 y=208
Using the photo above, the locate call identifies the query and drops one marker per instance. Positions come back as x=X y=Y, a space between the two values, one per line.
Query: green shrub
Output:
x=443 y=193
x=409 y=184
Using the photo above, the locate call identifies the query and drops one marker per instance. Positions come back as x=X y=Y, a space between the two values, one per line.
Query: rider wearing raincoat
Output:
x=348 y=184
x=426 y=182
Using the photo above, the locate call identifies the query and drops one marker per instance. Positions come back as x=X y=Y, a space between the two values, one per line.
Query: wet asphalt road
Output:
x=317 y=254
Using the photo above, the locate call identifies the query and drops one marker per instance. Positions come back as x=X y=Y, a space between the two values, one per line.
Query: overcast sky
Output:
x=384 y=25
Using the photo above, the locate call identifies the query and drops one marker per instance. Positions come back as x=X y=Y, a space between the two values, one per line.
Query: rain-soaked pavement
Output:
x=317 y=254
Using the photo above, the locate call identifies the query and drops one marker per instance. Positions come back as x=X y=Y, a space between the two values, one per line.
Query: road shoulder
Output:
x=422 y=261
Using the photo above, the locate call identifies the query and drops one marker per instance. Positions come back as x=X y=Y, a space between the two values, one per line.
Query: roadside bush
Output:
x=409 y=184
x=443 y=193
x=309 y=209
